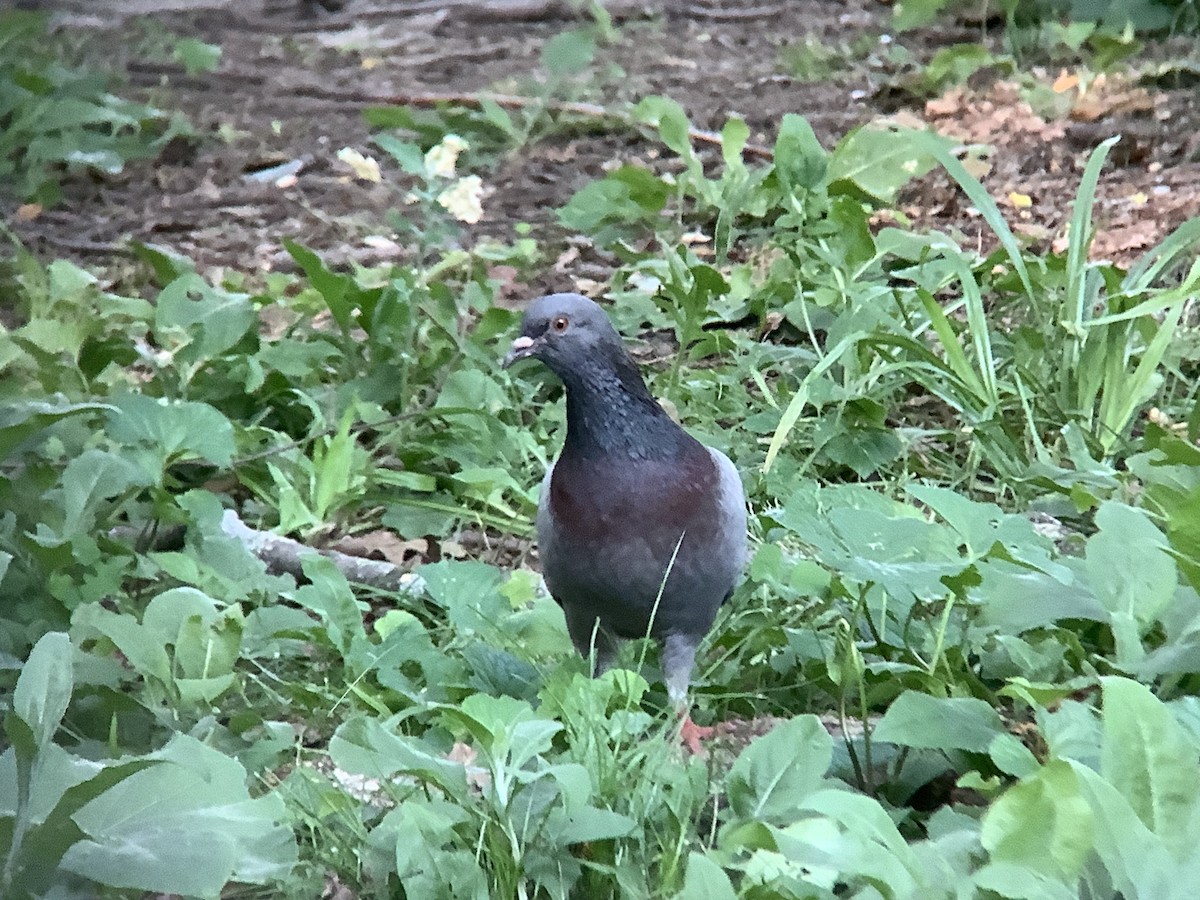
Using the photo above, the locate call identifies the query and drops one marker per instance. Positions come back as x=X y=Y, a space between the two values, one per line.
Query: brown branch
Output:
x=284 y=556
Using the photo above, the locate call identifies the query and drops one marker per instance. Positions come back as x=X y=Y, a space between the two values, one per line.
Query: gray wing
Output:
x=732 y=506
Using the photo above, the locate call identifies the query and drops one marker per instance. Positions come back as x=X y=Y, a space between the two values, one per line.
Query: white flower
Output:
x=441 y=159
x=365 y=167
x=464 y=199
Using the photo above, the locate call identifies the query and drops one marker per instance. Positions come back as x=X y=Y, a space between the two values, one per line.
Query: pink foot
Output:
x=691 y=734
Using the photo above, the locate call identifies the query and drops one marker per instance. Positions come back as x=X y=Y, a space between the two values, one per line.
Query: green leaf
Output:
x=205 y=320
x=772 y=776
x=800 y=160
x=186 y=827
x=1009 y=879
x=854 y=835
x=1137 y=861
x=504 y=728
x=733 y=140
x=880 y=162
x=1042 y=823
x=367 y=746
x=470 y=594
x=142 y=649
x=90 y=479
x=68 y=783
x=328 y=594
x=172 y=430
x=337 y=290
x=1152 y=761
x=939 y=723
x=21 y=421
x=197 y=56
x=1129 y=564
x=671 y=121
x=915 y=13
x=44 y=687
x=588 y=823
x=569 y=52
x=705 y=880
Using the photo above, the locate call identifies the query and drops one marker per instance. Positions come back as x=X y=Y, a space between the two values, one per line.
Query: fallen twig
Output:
x=282 y=555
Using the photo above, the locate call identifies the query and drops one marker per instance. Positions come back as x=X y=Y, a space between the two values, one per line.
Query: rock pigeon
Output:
x=641 y=528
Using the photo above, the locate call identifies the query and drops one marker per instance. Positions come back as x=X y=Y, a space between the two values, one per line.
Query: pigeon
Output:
x=641 y=528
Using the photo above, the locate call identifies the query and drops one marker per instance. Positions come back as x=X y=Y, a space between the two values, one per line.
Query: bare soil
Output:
x=294 y=79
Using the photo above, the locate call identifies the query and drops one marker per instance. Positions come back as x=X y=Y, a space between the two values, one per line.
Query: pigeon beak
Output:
x=522 y=348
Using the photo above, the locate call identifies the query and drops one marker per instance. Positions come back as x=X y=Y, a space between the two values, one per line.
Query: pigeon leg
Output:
x=679 y=655
x=589 y=636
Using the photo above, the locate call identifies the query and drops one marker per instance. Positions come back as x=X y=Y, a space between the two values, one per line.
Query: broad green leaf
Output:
x=939 y=723
x=1137 y=861
x=569 y=52
x=880 y=162
x=800 y=160
x=1018 y=598
x=1011 y=756
x=504 y=728
x=89 y=479
x=63 y=784
x=588 y=823
x=142 y=649
x=733 y=139
x=1041 y=823
x=328 y=594
x=167 y=612
x=1152 y=761
x=188 y=826
x=196 y=56
x=843 y=837
x=20 y=421
x=915 y=13
x=1129 y=564
x=337 y=290
x=44 y=687
x=172 y=430
x=470 y=594
x=417 y=836
x=671 y=121
x=201 y=320
x=1008 y=879
x=705 y=880
x=772 y=776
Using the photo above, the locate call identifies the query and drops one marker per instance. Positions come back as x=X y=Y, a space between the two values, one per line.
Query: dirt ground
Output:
x=294 y=78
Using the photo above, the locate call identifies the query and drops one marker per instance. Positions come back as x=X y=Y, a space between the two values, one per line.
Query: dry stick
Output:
x=281 y=555
x=506 y=101
x=285 y=556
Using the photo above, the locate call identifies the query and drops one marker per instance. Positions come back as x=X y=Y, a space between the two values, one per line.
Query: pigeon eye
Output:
x=559 y=324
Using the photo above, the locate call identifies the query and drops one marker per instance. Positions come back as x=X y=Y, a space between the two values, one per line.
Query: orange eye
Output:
x=560 y=324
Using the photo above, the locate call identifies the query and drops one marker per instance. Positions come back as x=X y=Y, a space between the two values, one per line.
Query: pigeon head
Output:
x=609 y=409
x=568 y=333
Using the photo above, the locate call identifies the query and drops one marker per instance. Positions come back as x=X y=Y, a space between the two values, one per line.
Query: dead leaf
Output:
x=385 y=545
x=1065 y=82
x=563 y=154
x=478 y=777
x=453 y=549
x=568 y=256
x=508 y=289
x=27 y=212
